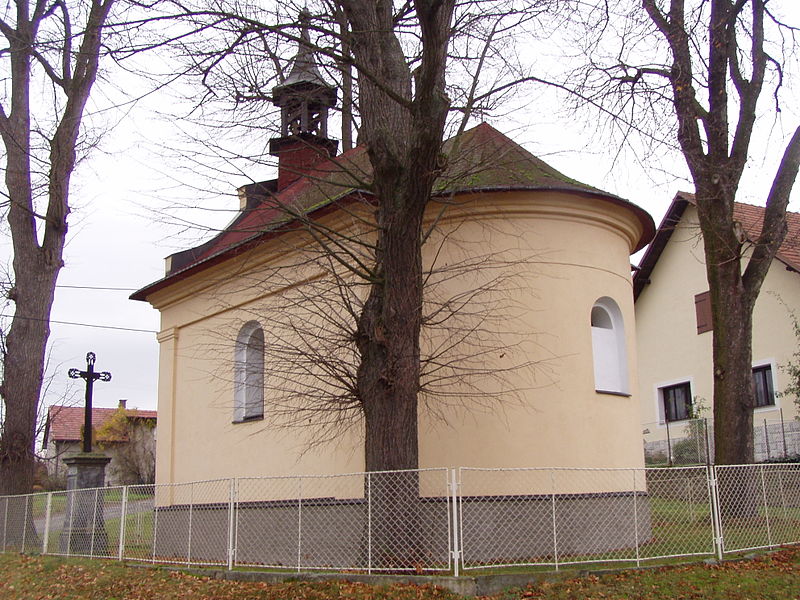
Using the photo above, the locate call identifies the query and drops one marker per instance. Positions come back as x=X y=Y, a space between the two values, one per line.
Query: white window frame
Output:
x=773 y=370
x=659 y=397
x=611 y=374
x=248 y=392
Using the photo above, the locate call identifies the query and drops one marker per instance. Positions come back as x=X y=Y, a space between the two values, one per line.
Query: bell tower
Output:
x=304 y=98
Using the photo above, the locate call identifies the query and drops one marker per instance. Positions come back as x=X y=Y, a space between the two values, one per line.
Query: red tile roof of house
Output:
x=479 y=160
x=751 y=217
x=65 y=423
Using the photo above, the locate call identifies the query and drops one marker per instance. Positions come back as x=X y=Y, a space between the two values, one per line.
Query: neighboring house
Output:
x=673 y=324
x=566 y=247
x=128 y=436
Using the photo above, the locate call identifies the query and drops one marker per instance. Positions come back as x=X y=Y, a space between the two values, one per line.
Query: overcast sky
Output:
x=116 y=243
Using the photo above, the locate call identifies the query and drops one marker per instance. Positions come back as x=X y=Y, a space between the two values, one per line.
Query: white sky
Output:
x=115 y=242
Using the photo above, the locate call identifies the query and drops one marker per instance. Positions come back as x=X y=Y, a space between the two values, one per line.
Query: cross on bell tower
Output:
x=304 y=98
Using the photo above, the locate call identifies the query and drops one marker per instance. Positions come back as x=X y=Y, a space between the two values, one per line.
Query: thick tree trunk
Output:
x=732 y=314
x=23 y=370
x=733 y=382
x=388 y=376
x=35 y=272
x=388 y=383
x=38 y=250
x=403 y=119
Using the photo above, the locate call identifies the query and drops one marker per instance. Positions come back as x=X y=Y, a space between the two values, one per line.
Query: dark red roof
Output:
x=65 y=423
x=479 y=160
x=751 y=217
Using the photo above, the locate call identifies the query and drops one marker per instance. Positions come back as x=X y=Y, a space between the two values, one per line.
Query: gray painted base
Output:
x=337 y=534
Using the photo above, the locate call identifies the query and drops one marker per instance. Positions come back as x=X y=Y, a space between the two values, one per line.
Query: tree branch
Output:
x=774 y=229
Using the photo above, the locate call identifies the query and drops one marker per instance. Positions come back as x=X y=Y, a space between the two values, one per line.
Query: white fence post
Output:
x=716 y=522
x=766 y=507
x=191 y=516
x=123 y=515
x=553 y=516
x=155 y=518
x=231 y=520
x=5 y=523
x=47 y=511
x=94 y=521
x=25 y=523
x=299 y=520
x=636 y=519
x=369 y=522
x=456 y=553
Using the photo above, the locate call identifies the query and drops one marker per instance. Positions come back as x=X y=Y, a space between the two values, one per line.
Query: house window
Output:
x=762 y=381
x=248 y=397
x=608 y=348
x=702 y=309
x=677 y=402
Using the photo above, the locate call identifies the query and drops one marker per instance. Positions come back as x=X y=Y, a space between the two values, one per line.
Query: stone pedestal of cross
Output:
x=84 y=529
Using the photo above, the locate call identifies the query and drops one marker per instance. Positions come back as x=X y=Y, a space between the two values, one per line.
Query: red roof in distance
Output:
x=750 y=216
x=65 y=423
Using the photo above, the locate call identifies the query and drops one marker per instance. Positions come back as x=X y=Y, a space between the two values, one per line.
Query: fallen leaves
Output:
x=774 y=576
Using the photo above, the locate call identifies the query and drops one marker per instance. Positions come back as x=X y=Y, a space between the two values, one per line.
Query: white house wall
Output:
x=670 y=349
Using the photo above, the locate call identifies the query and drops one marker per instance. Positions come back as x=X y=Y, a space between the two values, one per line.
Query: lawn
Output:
x=774 y=576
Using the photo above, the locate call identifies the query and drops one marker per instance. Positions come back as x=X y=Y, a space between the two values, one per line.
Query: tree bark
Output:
x=716 y=152
x=403 y=118
x=732 y=317
x=37 y=264
x=402 y=128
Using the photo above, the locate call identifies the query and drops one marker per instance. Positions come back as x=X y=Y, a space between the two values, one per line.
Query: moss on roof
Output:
x=483 y=158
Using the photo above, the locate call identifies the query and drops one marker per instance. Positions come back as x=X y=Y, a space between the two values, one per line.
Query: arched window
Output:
x=248 y=397
x=608 y=348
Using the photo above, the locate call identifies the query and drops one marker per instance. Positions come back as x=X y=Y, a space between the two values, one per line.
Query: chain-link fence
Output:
x=691 y=442
x=396 y=520
x=419 y=520
x=583 y=515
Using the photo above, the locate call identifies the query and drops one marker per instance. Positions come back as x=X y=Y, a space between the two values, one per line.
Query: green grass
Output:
x=774 y=576
x=58 y=504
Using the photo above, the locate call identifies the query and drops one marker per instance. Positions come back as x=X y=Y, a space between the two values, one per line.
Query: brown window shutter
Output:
x=702 y=308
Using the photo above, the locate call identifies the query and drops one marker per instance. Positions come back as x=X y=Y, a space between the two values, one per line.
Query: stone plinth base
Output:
x=84 y=531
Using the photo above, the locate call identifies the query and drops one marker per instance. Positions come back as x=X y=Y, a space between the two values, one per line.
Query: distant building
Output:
x=128 y=436
x=674 y=331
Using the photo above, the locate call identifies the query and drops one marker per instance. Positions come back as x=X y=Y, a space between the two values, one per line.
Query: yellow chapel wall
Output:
x=567 y=251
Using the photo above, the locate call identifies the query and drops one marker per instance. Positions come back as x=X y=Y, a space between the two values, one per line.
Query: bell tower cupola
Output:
x=304 y=98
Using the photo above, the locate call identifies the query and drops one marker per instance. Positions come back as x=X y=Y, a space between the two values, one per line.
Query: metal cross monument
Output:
x=90 y=376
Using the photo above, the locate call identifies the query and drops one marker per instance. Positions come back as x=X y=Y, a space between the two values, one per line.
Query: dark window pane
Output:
x=762 y=380
x=677 y=402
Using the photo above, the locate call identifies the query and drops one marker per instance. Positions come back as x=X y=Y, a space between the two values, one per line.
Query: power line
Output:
x=84 y=324
x=97 y=287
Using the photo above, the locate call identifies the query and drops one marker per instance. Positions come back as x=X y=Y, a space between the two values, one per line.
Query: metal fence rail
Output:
x=691 y=441
x=422 y=520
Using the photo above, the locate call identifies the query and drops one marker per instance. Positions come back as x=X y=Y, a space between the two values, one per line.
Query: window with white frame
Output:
x=248 y=396
x=764 y=388
x=609 y=353
x=676 y=401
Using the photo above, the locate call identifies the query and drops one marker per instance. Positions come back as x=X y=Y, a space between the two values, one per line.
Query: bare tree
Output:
x=400 y=54
x=707 y=64
x=54 y=46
